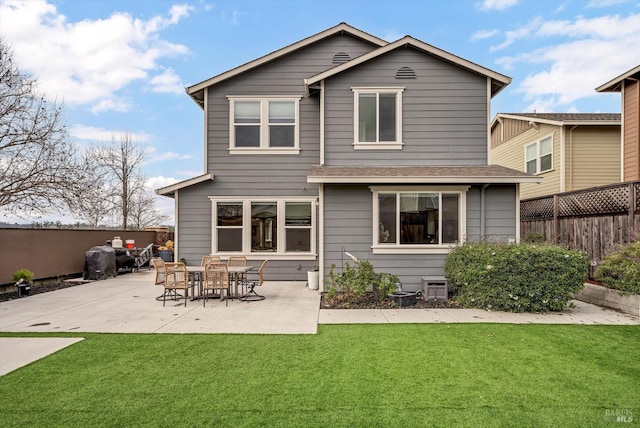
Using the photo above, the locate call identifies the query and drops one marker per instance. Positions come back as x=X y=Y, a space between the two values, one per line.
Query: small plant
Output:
x=621 y=270
x=23 y=274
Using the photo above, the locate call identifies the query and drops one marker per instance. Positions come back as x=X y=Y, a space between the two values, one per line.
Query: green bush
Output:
x=359 y=279
x=25 y=274
x=621 y=270
x=516 y=278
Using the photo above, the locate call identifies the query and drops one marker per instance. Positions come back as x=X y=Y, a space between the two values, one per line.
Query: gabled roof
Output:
x=419 y=175
x=171 y=189
x=195 y=91
x=615 y=85
x=563 y=119
x=499 y=81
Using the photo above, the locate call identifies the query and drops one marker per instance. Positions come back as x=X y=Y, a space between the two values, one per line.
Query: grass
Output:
x=346 y=376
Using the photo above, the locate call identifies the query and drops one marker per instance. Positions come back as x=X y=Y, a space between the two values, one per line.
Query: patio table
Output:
x=196 y=273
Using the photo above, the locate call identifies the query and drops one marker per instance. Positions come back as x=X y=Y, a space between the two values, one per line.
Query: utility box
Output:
x=435 y=288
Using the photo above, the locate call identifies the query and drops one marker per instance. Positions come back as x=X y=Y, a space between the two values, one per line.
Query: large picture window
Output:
x=539 y=156
x=264 y=125
x=258 y=226
x=418 y=218
x=378 y=118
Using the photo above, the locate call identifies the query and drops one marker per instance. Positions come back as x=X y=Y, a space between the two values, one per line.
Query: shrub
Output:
x=359 y=279
x=516 y=278
x=25 y=274
x=621 y=270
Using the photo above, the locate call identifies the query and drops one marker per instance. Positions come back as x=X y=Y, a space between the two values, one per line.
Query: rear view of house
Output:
x=343 y=142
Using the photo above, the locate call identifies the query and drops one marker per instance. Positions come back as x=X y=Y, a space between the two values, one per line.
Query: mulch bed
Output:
x=38 y=289
x=370 y=301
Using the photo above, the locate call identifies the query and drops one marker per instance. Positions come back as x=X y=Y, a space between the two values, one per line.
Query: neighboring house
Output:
x=629 y=85
x=344 y=142
x=571 y=151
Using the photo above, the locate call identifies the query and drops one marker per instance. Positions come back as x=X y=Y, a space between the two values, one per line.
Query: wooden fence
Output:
x=594 y=220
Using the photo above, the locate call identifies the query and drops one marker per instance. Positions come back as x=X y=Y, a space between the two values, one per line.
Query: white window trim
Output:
x=394 y=248
x=280 y=254
x=387 y=145
x=538 y=156
x=264 y=148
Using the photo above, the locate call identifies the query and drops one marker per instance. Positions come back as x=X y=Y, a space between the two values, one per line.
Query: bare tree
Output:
x=118 y=164
x=142 y=212
x=39 y=167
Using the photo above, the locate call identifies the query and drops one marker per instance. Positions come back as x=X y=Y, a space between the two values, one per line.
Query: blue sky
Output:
x=122 y=66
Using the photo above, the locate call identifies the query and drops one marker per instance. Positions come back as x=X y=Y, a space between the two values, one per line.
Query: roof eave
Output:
x=500 y=81
x=615 y=85
x=170 y=190
x=340 y=28
x=422 y=180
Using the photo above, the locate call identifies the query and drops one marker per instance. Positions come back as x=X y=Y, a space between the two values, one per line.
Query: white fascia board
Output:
x=342 y=27
x=557 y=122
x=408 y=40
x=171 y=189
x=422 y=180
x=612 y=85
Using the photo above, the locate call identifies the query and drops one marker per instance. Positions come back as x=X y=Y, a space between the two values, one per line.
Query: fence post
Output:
x=632 y=209
x=556 y=222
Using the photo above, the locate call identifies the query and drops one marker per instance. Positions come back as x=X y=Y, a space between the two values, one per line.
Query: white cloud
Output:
x=112 y=103
x=88 y=61
x=593 y=52
x=167 y=82
x=160 y=181
x=497 y=4
x=604 y=3
x=483 y=34
x=90 y=133
x=520 y=33
x=153 y=156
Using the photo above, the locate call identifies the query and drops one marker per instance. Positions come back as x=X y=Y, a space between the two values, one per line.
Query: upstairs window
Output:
x=264 y=125
x=378 y=118
x=539 y=156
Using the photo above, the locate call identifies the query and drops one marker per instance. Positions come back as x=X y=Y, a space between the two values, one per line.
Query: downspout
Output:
x=482 y=211
x=206 y=126
x=176 y=256
x=322 y=122
x=563 y=159
x=571 y=157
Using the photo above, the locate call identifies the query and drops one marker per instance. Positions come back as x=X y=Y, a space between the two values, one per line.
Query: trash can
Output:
x=166 y=255
x=24 y=290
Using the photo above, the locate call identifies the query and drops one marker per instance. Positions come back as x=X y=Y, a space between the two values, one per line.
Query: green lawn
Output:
x=346 y=376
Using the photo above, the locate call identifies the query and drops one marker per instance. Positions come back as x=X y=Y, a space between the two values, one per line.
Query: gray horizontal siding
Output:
x=444 y=112
x=348 y=223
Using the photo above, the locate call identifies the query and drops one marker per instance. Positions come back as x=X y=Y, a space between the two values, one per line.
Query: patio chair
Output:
x=241 y=278
x=251 y=295
x=210 y=259
x=216 y=278
x=177 y=278
x=158 y=265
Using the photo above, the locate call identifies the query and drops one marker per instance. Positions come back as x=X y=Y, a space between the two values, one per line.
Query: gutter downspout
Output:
x=571 y=157
x=482 y=211
x=322 y=122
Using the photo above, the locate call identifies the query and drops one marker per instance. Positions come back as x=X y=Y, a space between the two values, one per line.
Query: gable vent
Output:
x=405 y=73
x=341 y=58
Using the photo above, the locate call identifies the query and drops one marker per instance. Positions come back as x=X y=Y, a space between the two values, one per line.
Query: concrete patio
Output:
x=127 y=304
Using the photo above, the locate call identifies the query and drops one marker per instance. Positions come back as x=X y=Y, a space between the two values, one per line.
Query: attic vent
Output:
x=405 y=73
x=341 y=58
